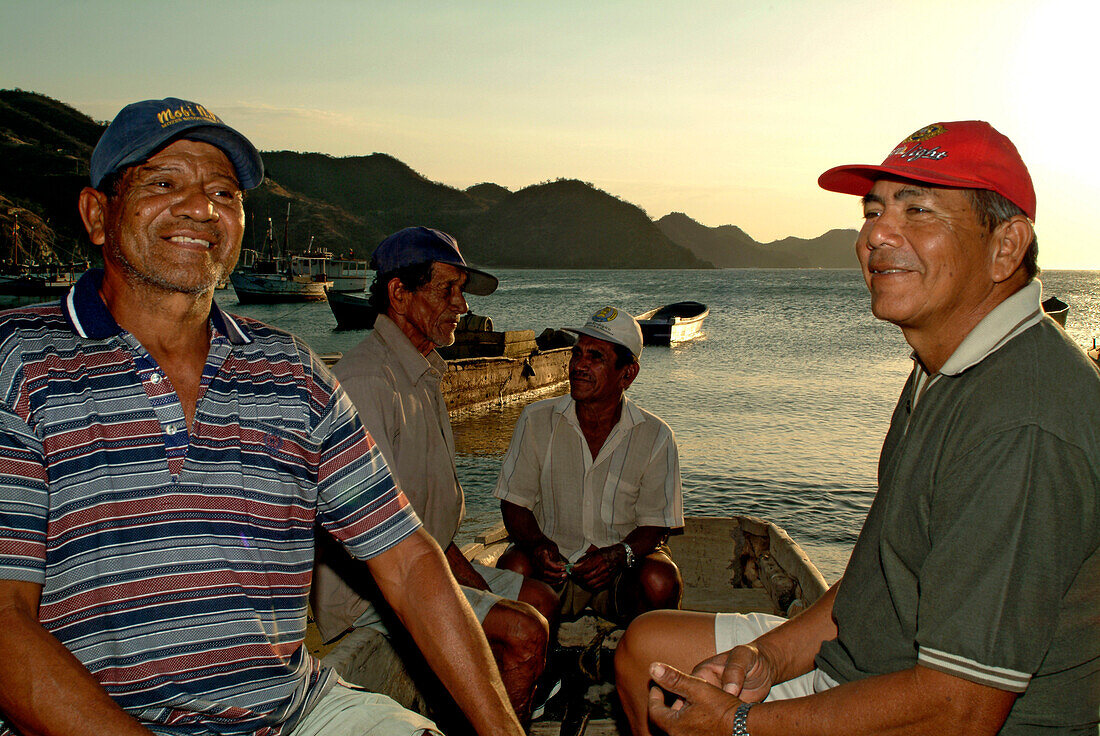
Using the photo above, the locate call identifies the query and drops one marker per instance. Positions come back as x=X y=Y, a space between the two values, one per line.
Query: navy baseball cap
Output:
x=415 y=245
x=143 y=128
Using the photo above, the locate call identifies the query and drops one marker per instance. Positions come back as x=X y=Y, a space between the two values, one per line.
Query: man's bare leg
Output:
x=656 y=583
x=682 y=639
x=518 y=636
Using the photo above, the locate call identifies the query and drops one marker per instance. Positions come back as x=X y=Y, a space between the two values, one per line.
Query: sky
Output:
x=726 y=111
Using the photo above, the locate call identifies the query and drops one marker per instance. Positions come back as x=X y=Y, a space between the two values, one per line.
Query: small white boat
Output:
x=673 y=323
x=1057 y=309
x=740 y=564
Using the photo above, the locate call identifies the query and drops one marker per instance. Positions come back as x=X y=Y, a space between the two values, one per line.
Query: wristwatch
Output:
x=741 y=719
x=629 y=555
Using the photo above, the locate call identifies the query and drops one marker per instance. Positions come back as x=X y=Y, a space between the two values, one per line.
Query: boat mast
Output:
x=286 y=233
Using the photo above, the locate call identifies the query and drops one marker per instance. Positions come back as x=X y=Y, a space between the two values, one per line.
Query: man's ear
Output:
x=93 y=211
x=629 y=374
x=399 y=296
x=1011 y=239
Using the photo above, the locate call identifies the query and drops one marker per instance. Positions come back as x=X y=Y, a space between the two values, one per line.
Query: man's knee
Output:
x=661 y=584
x=543 y=598
x=518 y=631
x=638 y=640
x=516 y=560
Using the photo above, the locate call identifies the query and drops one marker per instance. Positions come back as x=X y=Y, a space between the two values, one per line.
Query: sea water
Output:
x=779 y=410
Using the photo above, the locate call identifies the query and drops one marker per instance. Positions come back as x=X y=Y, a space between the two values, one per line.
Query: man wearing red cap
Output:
x=970 y=602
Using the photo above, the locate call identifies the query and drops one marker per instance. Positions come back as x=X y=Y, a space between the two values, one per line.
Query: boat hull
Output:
x=1057 y=309
x=352 y=311
x=272 y=288
x=475 y=384
x=738 y=564
x=672 y=323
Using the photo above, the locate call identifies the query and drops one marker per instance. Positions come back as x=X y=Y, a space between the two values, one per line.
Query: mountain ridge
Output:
x=348 y=204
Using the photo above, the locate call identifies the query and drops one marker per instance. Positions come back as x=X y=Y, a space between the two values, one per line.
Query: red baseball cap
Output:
x=966 y=153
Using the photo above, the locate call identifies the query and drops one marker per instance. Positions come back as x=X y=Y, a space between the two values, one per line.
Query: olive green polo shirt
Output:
x=979 y=556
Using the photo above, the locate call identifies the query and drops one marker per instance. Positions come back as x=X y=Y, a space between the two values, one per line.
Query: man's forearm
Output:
x=418 y=584
x=792 y=646
x=912 y=701
x=461 y=568
x=44 y=689
x=523 y=528
x=916 y=700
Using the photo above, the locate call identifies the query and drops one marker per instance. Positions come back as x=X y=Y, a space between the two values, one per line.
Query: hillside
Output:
x=378 y=188
x=728 y=246
x=44 y=150
x=349 y=204
x=834 y=249
x=570 y=224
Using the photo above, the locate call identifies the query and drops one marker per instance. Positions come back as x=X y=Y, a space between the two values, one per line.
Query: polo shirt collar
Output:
x=1007 y=320
x=89 y=317
x=412 y=362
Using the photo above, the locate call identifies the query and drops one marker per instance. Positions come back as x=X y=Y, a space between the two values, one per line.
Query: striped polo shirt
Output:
x=175 y=561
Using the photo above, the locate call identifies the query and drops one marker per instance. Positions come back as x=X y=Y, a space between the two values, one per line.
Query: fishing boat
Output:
x=673 y=323
x=32 y=271
x=260 y=280
x=351 y=310
x=270 y=274
x=1057 y=309
x=739 y=563
x=346 y=274
x=39 y=282
x=485 y=367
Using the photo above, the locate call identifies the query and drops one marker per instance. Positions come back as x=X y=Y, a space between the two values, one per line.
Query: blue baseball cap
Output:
x=143 y=128
x=415 y=245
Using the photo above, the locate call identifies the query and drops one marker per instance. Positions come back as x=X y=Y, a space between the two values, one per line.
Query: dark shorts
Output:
x=607 y=602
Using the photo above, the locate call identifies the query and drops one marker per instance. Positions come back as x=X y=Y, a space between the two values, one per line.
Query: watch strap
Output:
x=630 y=559
x=741 y=719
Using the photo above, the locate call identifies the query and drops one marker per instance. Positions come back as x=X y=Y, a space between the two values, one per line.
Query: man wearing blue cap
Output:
x=393 y=379
x=164 y=464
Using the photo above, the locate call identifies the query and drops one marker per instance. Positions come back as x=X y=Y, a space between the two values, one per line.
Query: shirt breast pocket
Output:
x=620 y=499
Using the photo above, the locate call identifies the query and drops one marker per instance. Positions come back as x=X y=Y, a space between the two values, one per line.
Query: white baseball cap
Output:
x=613 y=325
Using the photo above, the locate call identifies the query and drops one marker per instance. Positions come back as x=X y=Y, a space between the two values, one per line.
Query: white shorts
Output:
x=347 y=710
x=734 y=629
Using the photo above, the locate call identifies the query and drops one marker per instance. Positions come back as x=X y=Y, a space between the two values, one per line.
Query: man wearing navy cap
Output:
x=393 y=379
x=969 y=604
x=164 y=464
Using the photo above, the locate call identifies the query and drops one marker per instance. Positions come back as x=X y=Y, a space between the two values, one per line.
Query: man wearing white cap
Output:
x=590 y=487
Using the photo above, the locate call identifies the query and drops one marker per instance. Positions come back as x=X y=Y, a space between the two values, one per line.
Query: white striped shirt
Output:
x=579 y=500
